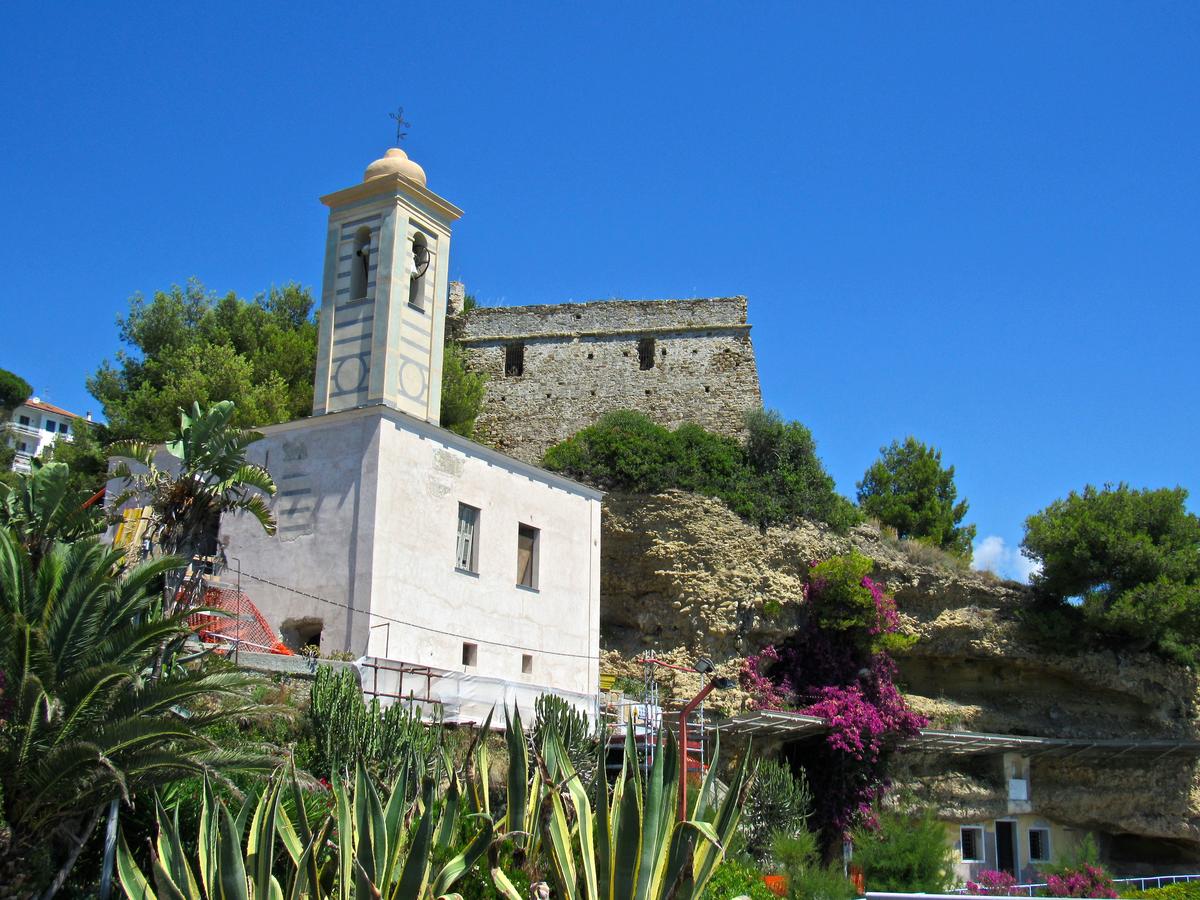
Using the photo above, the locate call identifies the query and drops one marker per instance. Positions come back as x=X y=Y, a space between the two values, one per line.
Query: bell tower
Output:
x=383 y=295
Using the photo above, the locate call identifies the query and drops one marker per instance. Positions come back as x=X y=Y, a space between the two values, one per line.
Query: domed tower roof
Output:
x=395 y=162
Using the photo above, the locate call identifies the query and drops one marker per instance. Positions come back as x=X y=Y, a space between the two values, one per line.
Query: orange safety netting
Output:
x=244 y=626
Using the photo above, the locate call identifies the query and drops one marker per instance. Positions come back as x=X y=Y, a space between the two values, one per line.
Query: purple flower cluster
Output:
x=992 y=883
x=1090 y=881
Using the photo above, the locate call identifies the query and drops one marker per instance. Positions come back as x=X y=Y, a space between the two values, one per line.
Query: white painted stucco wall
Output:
x=368 y=516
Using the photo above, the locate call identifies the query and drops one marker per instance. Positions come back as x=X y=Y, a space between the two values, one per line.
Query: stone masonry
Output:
x=553 y=370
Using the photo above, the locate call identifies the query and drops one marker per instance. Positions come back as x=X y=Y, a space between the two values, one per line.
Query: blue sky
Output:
x=978 y=224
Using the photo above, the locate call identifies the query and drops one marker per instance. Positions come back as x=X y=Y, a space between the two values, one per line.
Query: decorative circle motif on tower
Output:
x=396 y=162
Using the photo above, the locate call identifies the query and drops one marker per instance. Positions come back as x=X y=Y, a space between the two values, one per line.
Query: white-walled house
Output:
x=399 y=542
x=403 y=541
x=35 y=425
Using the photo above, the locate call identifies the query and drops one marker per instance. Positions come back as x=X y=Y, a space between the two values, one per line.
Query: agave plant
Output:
x=628 y=847
x=365 y=849
x=631 y=845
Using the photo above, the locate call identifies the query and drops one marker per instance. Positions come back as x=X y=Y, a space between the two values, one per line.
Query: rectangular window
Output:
x=470 y=654
x=971 y=839
x=526 y=663
x=467 y=551
x=514 y=360
x=24 y=420
x=646 y=353
x=50 y=425
x=62 y=427
x=1039 y=845
x=527 y=556
x=23 y=447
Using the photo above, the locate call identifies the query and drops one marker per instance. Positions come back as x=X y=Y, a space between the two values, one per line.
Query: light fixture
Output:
x=704 y=665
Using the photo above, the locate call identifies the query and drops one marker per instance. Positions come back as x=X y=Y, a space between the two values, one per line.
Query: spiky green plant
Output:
x=43 y=508
x=348 y=731
x=80 y=721
x=628 y=847
x=208 y=476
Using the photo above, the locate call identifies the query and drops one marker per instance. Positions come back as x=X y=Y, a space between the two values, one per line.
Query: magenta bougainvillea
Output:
x=838 y=666
x=992 y=883
x=1089 y=881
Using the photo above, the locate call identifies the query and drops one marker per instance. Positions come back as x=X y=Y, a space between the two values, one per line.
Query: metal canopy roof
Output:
x=966 y=742
x=796 y=726
x=773 y=722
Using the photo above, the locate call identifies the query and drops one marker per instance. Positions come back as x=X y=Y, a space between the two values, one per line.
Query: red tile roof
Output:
x=50 y=407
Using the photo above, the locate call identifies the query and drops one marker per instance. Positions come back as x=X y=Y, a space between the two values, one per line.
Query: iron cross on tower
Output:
x=401 y=124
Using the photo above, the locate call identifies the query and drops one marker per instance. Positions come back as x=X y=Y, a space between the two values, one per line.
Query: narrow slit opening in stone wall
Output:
x=514 y=360
x=646 y=353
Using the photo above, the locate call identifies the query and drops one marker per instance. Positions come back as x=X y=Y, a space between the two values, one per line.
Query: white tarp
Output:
x=464 y=699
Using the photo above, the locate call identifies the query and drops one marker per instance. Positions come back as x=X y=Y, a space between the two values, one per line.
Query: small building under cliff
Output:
x=554 y=370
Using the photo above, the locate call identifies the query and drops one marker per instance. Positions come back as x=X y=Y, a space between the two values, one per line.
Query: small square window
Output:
x=526 y=663
x=1039 y=845
x=527 y=556
x=971 y=841
x=50 y=425
x=24 y=420
x=467 y=549
x=470 y=654
x=62 y=427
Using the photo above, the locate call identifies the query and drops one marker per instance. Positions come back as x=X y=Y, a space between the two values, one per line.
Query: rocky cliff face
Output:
x=683 y=576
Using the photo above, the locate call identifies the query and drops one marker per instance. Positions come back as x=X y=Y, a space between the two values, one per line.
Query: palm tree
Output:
x=208 y=476
x=82 y=723
x=43 y=508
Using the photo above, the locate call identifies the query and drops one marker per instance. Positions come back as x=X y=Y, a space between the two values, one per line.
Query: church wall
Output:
x=324 y=469
x=582 y=360
x=367 y=510
x=424 y=474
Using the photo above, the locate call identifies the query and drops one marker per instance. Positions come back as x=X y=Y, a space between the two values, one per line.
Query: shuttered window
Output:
x=468 y=538
x=527 y=556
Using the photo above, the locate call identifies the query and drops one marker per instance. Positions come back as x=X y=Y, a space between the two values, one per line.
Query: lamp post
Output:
x=704 y=667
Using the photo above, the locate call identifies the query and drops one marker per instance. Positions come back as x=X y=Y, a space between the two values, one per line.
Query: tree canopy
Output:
x=1129 y=558
x=908 y=489
x=14 y=390
x=190 y=345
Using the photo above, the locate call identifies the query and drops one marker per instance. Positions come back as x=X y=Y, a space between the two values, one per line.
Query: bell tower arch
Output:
x=383 y=295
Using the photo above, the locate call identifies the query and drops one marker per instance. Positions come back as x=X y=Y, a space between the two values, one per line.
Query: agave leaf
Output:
x=345 y=845
x=231 y=868
x=260 y=842
x=459 y=865
x=518 y=773
x=414 y=876
x=132 y=880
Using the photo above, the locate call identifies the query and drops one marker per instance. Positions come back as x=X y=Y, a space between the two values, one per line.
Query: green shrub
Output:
x=906 y=853
x=462 y=392
x=774 y=477
x=809 y=878
x=735 y=878
x=1180 y=890
x=777 y=802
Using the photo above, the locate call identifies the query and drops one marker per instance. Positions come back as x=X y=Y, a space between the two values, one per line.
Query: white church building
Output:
x=438 y=560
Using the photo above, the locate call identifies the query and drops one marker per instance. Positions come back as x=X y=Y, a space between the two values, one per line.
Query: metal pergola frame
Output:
x=797 y=726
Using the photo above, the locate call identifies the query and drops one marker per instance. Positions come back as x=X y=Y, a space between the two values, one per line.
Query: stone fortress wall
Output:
x=555 y=369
